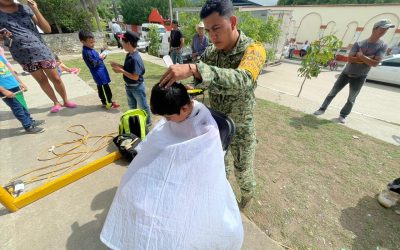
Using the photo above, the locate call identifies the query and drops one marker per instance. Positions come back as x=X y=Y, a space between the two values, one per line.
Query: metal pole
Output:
x=170 y=10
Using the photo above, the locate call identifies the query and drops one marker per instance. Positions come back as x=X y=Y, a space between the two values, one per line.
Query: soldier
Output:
x=229 y=70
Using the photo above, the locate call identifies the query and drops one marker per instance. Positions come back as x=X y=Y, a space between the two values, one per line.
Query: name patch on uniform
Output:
x=253 y=59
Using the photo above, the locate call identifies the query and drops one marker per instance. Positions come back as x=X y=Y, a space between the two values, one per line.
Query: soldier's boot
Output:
x=245 y=201
x=388 y=198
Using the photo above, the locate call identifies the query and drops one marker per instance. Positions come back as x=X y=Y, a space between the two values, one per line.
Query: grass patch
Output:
x=316 y=182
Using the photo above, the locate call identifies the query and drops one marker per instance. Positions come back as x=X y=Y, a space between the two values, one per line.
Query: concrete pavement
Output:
x=375 y=112
x=72 y=217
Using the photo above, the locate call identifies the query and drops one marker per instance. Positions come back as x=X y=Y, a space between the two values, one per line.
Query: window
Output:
x=395 y=62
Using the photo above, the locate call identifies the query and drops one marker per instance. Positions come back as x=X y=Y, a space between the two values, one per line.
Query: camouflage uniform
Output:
x=231 y=78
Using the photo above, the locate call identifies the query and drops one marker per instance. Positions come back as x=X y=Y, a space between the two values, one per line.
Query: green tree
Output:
x=91 y=5
x=319 y=53
x=154 y=37
x=105 y=10
x=261 y=31
x=188 y=22
x=258 y=29
x=137 y=12
x=65 y=14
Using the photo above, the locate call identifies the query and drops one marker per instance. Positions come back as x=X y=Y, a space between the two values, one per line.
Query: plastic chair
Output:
x=226 y=127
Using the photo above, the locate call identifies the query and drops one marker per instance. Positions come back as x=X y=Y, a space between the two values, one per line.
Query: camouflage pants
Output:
x=242 y=149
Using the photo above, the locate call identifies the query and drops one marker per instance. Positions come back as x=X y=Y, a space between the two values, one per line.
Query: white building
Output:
x=350 y=23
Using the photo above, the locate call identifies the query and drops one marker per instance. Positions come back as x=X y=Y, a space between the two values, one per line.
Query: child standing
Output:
x=133 y=71
x=95 y=63
x=9 y=84
x=61 y=67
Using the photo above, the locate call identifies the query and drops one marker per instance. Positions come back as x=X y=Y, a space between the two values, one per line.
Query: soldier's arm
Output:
x=233 y=81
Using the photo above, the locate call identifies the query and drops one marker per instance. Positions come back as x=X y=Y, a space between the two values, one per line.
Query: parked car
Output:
x=387 y=71
x=145 y=28
x=143 y=45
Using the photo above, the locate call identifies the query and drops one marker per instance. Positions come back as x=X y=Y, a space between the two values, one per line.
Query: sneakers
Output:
x=34 y=130
x=319 y=112
x=342 y=119
x=114 y=105
x=38 y=122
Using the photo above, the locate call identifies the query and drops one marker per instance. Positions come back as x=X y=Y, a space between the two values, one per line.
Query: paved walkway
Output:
x=375 y=112
x=72 y=217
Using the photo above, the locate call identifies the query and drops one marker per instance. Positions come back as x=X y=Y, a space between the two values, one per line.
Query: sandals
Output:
x=58 y=107
x=55 y=108
x=70 y=104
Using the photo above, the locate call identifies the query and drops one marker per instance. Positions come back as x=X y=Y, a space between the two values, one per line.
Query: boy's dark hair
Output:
x=222 y=7
x=168 y=101
x=130 y=37
x=85 y=35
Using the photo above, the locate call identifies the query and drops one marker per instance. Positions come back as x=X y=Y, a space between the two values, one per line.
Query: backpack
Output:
x=132 y=130
x=133 y=121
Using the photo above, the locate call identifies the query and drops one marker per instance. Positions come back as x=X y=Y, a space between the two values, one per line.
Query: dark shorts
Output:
x=35 y=66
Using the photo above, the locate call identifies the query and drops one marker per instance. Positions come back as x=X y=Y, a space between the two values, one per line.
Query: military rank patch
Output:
x=253 y=59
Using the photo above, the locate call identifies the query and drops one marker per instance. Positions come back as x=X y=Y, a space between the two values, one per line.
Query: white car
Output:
x=143 y=45
x=387 y=71
x=145 y=28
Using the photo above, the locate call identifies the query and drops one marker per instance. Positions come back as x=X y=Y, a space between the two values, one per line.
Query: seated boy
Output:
x=175 y=194
x=9 y=84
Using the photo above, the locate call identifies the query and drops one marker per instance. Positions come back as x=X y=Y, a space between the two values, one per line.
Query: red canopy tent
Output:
x=155 y=17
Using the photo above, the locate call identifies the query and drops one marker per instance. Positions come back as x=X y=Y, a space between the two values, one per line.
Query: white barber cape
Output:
x=175 y=194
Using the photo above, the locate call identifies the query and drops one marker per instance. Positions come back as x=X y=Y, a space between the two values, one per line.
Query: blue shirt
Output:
x=96 y=66
x=134 y=64
x=199 y=46
x=7 y=79
x=28 y=45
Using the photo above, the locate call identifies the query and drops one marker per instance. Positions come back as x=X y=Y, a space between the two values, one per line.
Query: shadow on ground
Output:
x=374 y=227
x=87 y=236
x=309 y=121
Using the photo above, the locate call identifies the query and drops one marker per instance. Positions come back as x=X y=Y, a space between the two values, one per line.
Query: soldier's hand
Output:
x=175 y=73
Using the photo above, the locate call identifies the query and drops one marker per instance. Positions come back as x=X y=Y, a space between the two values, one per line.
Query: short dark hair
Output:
x=85 y=35
x=168 y=101
x=222 y=7
x=130 y=37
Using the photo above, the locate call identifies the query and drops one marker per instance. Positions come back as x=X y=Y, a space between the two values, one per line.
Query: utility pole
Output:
x=170 y=10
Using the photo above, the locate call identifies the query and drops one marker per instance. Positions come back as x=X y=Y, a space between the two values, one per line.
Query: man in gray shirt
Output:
x=362 y=56
x=116 y=30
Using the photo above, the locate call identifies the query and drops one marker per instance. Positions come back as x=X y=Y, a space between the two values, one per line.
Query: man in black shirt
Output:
x=176 y=43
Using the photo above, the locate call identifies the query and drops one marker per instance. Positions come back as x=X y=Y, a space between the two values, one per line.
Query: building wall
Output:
x=69 y=43
x=349 y=23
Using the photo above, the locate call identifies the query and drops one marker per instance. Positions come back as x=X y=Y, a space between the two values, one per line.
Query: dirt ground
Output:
x=317 y=182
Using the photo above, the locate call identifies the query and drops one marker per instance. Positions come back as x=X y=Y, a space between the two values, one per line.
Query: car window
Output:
x=395 y=62
x=161 y=30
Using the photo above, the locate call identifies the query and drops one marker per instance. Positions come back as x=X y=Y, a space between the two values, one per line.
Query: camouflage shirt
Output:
x=231 y=77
